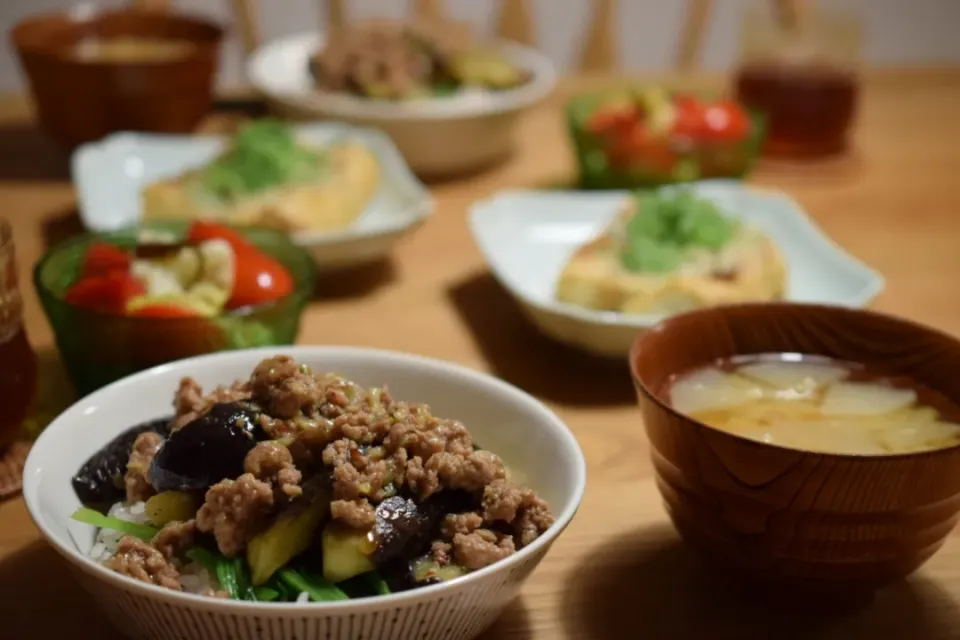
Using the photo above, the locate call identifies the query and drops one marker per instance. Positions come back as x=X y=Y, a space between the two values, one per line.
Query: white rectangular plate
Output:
x=528 y=236
x=110 y=176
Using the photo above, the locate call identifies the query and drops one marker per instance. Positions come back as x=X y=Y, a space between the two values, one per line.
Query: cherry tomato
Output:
x=690 y=120
x=109 y=292
x=102 y=258
x=201 y=231
x=726 y=121
x=259 y=278
x=613 y=120
x=624 y=150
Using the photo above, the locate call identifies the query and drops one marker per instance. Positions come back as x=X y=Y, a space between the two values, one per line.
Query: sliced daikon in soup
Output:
x=865 y=399
x=917 y=435
x=712 y=390
x=792 y=375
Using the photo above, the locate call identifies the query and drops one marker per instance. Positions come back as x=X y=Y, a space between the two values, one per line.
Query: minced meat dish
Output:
x=297 y=485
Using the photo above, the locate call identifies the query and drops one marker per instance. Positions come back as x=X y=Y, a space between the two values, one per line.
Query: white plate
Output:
x=438 y=136
x=528 y=236
x=110 y=175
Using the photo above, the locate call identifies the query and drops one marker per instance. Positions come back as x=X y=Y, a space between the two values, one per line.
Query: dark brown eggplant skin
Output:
x=208 y=449
x=405 y=528
x=99 y=482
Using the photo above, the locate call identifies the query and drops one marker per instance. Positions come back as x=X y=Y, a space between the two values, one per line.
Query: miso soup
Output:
x=817 y=404
x=131 y=50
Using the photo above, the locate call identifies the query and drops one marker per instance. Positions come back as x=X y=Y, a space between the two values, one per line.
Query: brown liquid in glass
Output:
x=18 y=361
x=809 y=108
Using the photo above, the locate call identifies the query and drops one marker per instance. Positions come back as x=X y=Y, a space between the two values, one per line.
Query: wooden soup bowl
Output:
x=80 y=100
x=817 y=524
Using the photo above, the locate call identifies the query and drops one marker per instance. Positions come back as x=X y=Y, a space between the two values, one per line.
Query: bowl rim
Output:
x=542 y=83
x=636 y=352
x=550 y=419
x=302 y=291
x=90 y=13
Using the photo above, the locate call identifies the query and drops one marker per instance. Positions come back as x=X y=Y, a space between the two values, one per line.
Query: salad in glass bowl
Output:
x=632 y=137
x=125 y=301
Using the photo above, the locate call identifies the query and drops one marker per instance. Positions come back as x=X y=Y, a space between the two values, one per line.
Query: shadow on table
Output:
x=30 y=154
x=36 y=583
x=514 y=624
x=355 y=282
x=648 y=584
x=519 y=354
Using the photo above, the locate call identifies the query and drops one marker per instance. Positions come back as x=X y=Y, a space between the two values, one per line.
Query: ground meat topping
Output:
x=272 y=462
x=358 y=514
x=137 y=559
x=505 y=501
x=356 y=475
x=369 y=448
x=460 y=523
x=283 y=388
x=440 y=552
x=216 y=593
x=145 y=447
x=233 y=511
x=481 y=548
x=175 y=538
x=532 y=522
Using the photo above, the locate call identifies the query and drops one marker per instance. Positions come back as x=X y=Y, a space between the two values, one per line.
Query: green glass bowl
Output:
x=98 y=348
x=697 y=162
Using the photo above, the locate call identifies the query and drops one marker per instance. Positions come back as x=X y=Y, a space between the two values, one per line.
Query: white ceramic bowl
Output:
x=529 y=437
x=437 y=136
x=528 y=236
x=110 y=175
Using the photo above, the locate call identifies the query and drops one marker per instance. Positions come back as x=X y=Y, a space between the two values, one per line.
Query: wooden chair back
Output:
x=600 y=52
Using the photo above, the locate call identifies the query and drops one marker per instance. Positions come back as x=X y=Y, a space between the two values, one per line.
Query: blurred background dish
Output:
x=265 y=176
x=527 y=238
x=117 y=312
x=111 y=176
x=647 y=136
x=94 y=72
x=438 y=135
x=412 y=60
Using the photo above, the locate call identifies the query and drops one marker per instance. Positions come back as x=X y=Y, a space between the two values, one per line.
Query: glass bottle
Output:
x=800 y=69
x=18 y=362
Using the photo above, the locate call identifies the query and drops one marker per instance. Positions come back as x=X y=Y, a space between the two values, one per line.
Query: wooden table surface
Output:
x=619 y=571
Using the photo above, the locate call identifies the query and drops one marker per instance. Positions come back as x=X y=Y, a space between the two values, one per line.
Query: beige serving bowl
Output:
x=527 y=435
x=437 y=136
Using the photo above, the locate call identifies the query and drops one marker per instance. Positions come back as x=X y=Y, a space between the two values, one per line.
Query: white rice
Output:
x=107 y=539
x=194 y=578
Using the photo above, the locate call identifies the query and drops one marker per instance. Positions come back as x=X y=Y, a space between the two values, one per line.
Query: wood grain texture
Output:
x=428 y=9
x=695 y=26
x=336 y=12
x=600 y=49
x=514 y=21
x=619 y=571
x=79 y=101
x=827 y=525
x=245 y=13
